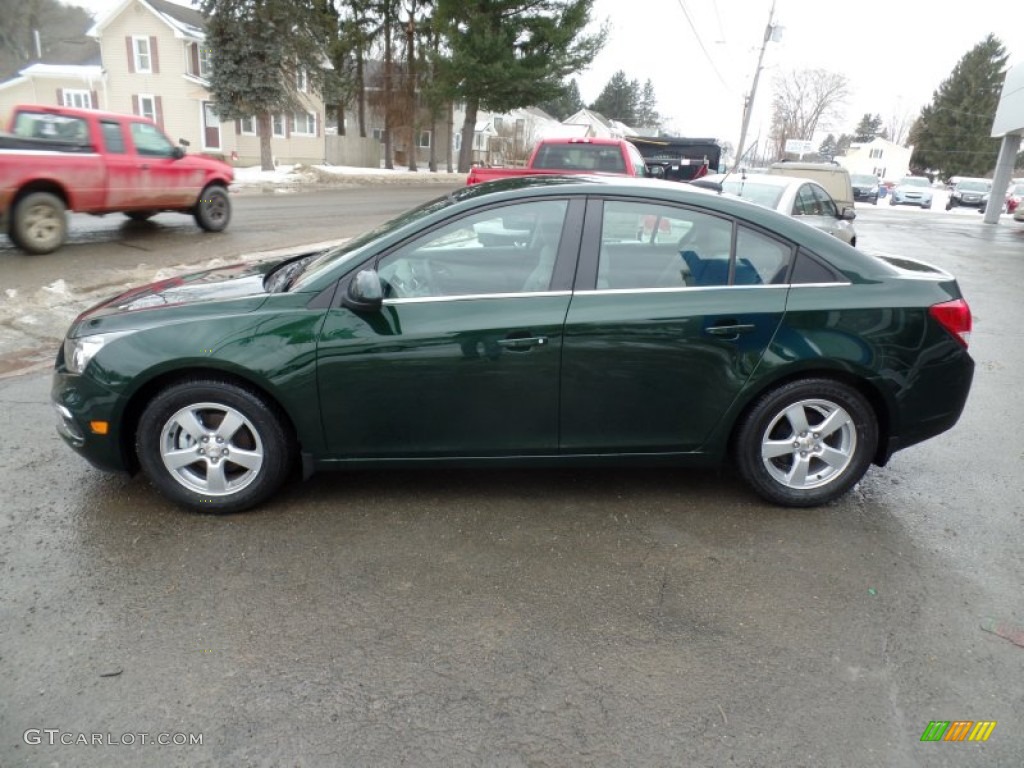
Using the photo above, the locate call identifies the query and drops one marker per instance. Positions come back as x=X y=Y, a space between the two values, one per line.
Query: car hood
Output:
x=242 y=284
x=905 y=188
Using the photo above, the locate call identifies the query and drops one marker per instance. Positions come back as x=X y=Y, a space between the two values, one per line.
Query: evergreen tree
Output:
x=504 y=54
x=829 y=147
x=647 y=110
x=868 y=128
x=262 y=48
x=62 y=33
x=619 y=99
x=566 y=104
x=952 y=133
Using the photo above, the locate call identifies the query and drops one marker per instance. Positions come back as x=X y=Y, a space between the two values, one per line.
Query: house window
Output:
x=378 y=134
x=79 y=99
x=875 y=154
x=498 y=122
x=140 y=49
x=301 y=80
x=278 y=121
x=205 y=62
x=304 y=123
x=249 y=125
x=458 y=141
x=424 y=142
x=147 y=106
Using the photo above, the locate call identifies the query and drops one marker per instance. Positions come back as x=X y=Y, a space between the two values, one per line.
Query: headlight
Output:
x=874 y=191
x=78 y=352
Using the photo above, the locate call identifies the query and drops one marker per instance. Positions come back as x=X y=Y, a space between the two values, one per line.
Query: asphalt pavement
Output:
x=513 y=618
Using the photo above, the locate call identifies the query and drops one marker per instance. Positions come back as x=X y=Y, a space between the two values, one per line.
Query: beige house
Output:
x=154 y=63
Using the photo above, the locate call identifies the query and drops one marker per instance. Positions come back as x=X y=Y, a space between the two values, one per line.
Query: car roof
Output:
x=768 y=179
x=78 y=112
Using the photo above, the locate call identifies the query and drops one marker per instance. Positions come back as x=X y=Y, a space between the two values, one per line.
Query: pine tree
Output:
x=567 y=103
x=952 y=133
x=647 y=110
x=504 y=54
x=619 y=99
x=829 y=147
x=260 y=47
x=868 y=128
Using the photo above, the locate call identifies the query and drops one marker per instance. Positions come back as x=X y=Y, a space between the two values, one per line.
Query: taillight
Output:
x=955 y=317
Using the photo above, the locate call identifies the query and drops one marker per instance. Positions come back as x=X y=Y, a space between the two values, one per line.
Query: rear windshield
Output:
x=763 y=194
x=43 y=125
x=973 y=186
x=580 y=157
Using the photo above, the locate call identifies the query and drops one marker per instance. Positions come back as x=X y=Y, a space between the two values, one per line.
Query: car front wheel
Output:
x=807 y=442
x=213 y=446
x=213 y=209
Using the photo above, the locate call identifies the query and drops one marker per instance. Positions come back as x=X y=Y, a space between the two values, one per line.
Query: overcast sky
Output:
x=895 y=53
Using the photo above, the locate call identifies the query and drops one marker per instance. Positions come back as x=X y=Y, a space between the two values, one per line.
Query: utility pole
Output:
x=748 y=102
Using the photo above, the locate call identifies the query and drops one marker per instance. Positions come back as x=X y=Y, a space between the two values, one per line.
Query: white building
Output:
x=879 y=157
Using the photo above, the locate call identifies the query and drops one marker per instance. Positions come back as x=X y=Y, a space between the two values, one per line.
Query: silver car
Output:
x=801 y=198
x=912 y=190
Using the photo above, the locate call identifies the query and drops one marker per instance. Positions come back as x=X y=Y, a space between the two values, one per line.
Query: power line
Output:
x=700 y=42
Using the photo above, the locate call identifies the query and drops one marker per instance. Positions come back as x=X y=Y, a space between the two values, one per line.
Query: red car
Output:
x=57 y=159
x=572 y=156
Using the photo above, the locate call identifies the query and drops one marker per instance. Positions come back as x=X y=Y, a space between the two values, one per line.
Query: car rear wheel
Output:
x=213 y=209
x=213 y=446
x=39 y=223
x=807 y=442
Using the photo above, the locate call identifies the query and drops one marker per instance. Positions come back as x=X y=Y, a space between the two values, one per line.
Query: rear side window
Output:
x=808 y=269
x=113 y=139
x=760 y=259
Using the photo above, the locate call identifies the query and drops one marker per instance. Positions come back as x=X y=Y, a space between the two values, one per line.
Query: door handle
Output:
x=731 y=331
x=522 y=343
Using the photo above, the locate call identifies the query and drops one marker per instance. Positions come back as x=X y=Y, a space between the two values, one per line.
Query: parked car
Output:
x=1010 y=201
x=1018 y=214
x=637 y=322
x=678 y=159
x=58 y=159
x=794 y=196
x=969 y=193
x=832 y=176
x=571 y=156
x=912 y=190
x=865 y=187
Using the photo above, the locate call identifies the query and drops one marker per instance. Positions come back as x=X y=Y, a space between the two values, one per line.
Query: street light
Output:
x=773 y=33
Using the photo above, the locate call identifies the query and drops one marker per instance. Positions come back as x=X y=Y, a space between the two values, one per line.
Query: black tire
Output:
x=874 y=200
x=213 y=482
x=140 y=215
x=39 y=223
x=850 y=445
x=213 y=209
x=892 y=201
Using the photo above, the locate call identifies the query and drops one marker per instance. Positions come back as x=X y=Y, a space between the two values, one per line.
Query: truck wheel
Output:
x=213 y=209
x=39 y=224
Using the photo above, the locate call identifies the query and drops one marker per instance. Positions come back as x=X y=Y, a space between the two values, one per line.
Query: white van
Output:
x=832 y=176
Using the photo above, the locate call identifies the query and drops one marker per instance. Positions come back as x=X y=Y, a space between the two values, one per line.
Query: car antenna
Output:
x=719 y=186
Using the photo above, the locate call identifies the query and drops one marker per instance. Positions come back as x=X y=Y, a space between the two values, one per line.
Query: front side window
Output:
x=508 y=249
x=826 y=205
x=150 y=141
x=806 y=203
x=143 y=60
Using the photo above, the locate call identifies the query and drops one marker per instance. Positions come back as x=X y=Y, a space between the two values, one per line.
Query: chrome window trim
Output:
x=475 y=296
x=681 y=289
x=816 y=285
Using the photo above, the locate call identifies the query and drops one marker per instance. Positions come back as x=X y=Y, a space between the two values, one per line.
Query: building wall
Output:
x=893 y=164
x=44 y=90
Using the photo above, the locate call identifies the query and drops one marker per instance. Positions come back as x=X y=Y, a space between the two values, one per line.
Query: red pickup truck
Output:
x=56 y=159
x=561 y=156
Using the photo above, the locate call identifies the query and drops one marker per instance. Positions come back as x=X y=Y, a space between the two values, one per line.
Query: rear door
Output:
x=123 y=167
x=673 y=310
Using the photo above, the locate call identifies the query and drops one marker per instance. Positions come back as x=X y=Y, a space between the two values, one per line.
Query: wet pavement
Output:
x=528 y=618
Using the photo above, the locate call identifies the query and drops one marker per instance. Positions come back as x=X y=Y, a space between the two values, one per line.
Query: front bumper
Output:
x=78 y=401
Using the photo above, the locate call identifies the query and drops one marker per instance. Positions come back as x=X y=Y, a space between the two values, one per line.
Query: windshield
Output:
x=335 y=256
x=863 y=178
x=763 y=194
x=973 y=186
x=915 y=181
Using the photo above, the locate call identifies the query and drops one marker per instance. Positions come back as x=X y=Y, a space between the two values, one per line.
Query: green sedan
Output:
x=531 y=321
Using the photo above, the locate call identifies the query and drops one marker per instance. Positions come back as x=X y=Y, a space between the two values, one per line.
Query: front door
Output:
x=211 y=127
x=464 y=357
x=667 y=327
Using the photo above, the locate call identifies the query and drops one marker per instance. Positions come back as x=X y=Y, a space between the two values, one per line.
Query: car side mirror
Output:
x=365 y=292
x=177 y=153
x=848 y=214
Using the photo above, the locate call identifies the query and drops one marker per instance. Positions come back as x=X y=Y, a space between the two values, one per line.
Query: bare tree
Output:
x=897 y=127
x=805 y=99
